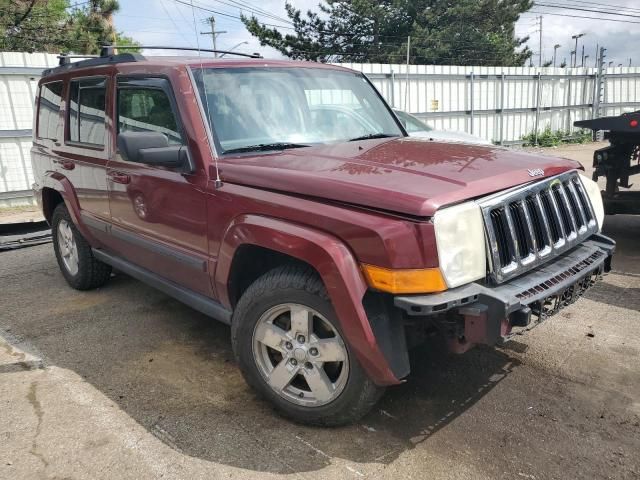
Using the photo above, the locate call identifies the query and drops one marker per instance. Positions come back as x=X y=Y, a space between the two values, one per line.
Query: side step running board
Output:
x=195 y=300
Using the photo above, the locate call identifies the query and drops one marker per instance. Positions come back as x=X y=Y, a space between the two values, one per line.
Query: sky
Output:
x=168 y=22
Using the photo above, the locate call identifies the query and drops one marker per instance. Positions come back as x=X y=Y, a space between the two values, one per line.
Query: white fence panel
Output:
x=19 y=74
x=503 y=104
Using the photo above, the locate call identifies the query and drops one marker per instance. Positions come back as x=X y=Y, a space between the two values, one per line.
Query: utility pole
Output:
x=406 y=84
x=600 y=76
x=540 y=42
x=555 y=51
x=582 y=65
x=214 y=34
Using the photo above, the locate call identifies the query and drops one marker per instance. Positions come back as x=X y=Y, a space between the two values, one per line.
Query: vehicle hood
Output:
x=450 y=136
x=407 y=175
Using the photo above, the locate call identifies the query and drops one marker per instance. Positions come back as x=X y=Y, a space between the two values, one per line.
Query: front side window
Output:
x=87 y=101
x=303 y=106
x=48 y=110
x=147 y=110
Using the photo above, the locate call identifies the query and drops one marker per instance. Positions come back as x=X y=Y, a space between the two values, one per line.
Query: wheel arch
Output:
x=337 y=267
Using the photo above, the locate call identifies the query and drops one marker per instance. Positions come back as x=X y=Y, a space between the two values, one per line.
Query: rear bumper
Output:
x=493 y=315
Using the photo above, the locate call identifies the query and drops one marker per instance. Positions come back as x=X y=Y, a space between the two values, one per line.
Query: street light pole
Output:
x=555 y=51
x=575 y=58
x=234 y=47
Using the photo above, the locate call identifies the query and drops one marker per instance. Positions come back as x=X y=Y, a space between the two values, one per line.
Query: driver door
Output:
x=158 y=213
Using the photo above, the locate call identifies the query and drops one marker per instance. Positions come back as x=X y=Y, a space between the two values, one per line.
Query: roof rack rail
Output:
x=111 y=48
x=91 y=61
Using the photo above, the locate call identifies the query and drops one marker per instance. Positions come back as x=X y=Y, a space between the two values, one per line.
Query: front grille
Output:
x=528 y=226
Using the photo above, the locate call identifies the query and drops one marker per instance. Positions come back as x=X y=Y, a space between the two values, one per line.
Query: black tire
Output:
x=299 y=285
x=91 y=273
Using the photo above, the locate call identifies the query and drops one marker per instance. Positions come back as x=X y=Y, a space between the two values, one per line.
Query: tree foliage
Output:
x=443 y=32
x=52 y=26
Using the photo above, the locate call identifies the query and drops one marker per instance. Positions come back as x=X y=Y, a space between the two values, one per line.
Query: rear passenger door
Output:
x=84 y=155
x=158 y=214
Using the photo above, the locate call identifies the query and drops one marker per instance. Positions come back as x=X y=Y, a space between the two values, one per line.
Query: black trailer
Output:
x=618 y=161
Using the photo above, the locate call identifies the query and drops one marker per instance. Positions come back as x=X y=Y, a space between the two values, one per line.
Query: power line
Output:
x=548 y=5
x=600 y=5
x=581 y=16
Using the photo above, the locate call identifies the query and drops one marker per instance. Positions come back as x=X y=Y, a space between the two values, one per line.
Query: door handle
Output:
x=66 y=164
x=117 y=177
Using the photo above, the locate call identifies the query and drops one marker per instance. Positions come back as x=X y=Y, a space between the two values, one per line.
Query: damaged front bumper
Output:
x=494 y=314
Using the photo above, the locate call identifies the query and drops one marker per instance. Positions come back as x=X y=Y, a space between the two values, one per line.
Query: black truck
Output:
x=619 y=161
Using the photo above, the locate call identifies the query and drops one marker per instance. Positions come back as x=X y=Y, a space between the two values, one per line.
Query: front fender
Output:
x=337 y=267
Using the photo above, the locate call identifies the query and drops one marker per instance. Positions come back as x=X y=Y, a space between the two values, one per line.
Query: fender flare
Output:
x=61 y=184
x=338 y=270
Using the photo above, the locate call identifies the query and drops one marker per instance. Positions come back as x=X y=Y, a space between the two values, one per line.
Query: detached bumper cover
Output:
x=524 y=301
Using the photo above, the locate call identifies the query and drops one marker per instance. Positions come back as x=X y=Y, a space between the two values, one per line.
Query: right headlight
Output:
x=593 y=191
x=461 y=243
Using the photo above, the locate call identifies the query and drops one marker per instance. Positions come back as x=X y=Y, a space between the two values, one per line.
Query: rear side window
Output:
x=86 y=111
x=48 y=110
x=147 y=110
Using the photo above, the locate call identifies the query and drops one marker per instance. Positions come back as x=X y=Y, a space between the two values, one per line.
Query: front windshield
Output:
x=290 y=107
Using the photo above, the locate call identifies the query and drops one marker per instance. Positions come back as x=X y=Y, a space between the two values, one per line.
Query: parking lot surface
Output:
x=124 y=382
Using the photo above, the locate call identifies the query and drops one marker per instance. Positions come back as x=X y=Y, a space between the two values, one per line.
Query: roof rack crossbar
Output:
x=108 y=50
x=65 y=58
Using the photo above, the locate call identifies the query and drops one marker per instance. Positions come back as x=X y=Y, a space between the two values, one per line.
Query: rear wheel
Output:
x=289 y=346
x=79 y=267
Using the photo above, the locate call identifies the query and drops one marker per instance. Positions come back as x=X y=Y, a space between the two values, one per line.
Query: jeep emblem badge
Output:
x=535 y=172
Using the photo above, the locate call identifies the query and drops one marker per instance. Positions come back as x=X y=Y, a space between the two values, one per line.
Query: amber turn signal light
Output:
x=427 y=280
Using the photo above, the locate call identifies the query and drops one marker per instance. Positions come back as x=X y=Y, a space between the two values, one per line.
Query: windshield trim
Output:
x=216 y=148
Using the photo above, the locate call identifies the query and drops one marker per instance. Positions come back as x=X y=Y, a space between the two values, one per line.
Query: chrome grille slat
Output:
x=530 y=229
x=557 y=216
x=573 y=227
x=583 y=198
x=527 y=226
x=545 y=224
x=575 y=206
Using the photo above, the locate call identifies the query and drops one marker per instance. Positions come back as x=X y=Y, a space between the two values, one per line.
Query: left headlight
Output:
x=593 y=190
x=461 y=243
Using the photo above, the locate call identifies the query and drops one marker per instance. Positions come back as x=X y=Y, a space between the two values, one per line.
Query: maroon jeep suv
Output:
x=286 y=200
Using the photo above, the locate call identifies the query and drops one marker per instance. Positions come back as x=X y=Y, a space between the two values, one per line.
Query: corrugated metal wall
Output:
x=19 y=73
x=502 y=104
x=498 y=104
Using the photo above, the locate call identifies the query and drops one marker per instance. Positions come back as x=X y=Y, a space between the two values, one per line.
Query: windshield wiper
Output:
x=371 y=136
x=264 y=147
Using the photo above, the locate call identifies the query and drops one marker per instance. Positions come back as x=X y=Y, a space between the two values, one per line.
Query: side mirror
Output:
x=152 y=148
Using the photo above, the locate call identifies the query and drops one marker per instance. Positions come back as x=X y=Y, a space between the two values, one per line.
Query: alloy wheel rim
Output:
x=300 y=355
x=68 y=247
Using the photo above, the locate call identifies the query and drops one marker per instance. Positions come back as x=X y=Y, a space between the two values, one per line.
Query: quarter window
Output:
x=147 y=110
x=86 y=111
x=50 y=99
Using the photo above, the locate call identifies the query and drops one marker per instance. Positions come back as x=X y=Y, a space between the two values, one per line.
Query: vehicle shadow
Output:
x=172 y=370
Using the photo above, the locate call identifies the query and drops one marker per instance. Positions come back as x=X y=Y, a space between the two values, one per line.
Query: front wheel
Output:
x=289 y=346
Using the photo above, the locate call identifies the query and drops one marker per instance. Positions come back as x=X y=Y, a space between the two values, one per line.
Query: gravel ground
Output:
x=124 y=382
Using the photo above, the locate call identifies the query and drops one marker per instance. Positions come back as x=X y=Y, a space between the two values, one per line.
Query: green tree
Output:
x=51 y=26
x=32 y=25
x=464 y=32
x=91 y=27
